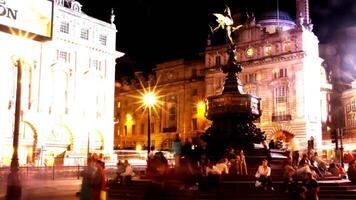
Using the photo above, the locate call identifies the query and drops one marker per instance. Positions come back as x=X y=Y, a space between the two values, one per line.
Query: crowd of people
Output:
x=300 y=171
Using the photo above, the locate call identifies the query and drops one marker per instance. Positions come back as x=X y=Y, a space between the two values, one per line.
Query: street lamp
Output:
x=13 y=180
x=149 y=101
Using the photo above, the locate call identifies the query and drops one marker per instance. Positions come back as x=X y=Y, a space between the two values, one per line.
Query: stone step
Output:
x=229 y=190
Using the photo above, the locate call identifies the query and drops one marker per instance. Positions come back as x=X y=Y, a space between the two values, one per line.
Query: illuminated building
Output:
x=340 y=63
x=281 y=65
x=180 y=88
x=67 y=89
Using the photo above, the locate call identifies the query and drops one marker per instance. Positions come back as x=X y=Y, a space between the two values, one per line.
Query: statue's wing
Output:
x=222 y=19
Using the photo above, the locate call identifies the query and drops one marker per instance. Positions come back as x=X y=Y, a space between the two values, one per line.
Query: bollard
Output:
x=27 y=171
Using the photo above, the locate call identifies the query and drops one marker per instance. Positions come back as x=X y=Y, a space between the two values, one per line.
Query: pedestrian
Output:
x=87 y=174
x=294 y=149
x=241 y=163
x=99 y=183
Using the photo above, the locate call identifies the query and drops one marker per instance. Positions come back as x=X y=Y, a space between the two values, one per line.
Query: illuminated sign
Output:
x=31 y=17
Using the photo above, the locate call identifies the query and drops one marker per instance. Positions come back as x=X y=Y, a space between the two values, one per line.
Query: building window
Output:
x=152 y=127
x=218 y=60
x=133 y=129
x=194 y=73
x=268 y=50
x=142 y=129
x=251 y=78
x=348 y=108
x=280 y=73
x=287 y=47
x=251 y=90
x=84 y=34
x=64 y=27
x=281 y=107
x=353 y=105
x=102 y=39
x=96 y=64
x=194 y=124
x=63 y=56
x=194 y=92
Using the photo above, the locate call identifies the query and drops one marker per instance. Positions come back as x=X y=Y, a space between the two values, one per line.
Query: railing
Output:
x=55 y=172
x=276 y=118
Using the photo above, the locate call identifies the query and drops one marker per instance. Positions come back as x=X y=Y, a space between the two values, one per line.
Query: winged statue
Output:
x=225 y=22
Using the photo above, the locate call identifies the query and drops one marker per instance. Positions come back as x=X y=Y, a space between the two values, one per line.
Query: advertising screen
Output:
x=33 y=17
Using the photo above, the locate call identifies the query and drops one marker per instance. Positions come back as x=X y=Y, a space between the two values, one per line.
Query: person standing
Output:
x=294 y=149
x=99 y=183
x=87 y=175
x=241 y=163
x=177 y=147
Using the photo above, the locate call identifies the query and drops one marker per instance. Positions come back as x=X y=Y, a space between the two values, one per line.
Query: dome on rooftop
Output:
x=272 y=21
x=274 y=15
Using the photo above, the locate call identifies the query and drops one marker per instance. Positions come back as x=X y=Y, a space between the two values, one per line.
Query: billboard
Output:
x=30 y=17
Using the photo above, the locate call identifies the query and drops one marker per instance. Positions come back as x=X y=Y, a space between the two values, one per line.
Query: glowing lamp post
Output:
x=149 y=101
x=13 y=181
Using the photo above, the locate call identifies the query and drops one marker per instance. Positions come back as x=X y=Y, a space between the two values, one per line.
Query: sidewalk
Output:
x=46 y=189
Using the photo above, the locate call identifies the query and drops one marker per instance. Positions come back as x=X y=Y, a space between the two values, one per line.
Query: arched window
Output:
x=281 y=103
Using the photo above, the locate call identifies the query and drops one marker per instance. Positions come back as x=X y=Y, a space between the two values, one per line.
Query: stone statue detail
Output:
x=112 y=17
x=232 y=112
x=226 y=22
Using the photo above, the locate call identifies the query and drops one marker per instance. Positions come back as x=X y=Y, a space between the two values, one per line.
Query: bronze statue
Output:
x=225 y=21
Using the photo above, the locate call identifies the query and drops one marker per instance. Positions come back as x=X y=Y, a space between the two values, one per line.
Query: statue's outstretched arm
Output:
x=236 y=28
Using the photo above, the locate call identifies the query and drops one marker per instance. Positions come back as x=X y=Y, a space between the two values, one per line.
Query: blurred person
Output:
x=321 y=164
x=99 y=182
x=120 y=170
x=87 y=174
x=177 y=146
x=222 y=166
x=288 y=173
x=351 y=171
x=348 y=157
x=271 y=144
x=310 y=188
x=231 y=154
x=305 y=161
x=128 y=173
x=241 y=163
x=263 y=176
x=294 y=149
x=333 y=169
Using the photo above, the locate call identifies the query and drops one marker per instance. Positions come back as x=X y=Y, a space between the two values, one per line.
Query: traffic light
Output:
x=334 y=135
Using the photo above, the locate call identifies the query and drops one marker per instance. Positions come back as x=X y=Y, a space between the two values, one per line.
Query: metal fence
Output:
x=54 y=172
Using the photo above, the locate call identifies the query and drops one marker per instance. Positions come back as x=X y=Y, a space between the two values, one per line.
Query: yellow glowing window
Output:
x=287 y=46
x=268 y=50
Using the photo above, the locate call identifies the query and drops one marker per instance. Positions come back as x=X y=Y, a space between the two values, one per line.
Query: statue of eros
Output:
x=225 y=22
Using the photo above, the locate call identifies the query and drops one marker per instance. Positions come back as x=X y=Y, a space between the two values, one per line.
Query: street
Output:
x=47 y=189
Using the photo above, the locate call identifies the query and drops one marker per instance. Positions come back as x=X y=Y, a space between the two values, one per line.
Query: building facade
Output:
x=67 y=89
x=281 y=64
x=348 y=99
x=180 y=88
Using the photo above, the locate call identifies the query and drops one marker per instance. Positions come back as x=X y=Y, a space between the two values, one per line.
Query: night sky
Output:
x=154 y=31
